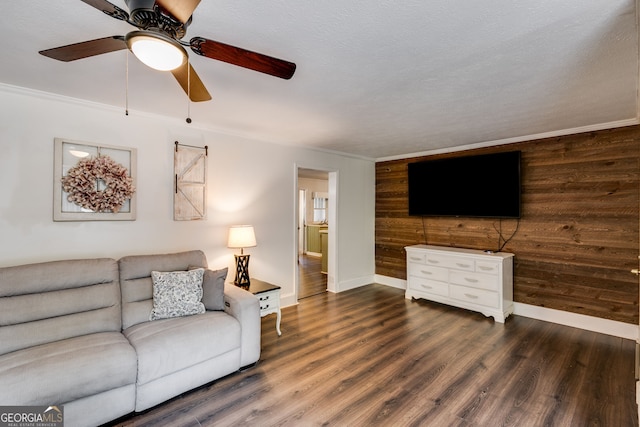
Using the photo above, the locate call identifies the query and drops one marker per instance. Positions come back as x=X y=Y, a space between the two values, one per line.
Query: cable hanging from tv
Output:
x=502 y=242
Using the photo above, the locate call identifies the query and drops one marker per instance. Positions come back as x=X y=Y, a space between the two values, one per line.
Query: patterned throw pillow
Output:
x=177 y=293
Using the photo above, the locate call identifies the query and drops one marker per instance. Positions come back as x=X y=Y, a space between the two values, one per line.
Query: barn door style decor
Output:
x=190 y=195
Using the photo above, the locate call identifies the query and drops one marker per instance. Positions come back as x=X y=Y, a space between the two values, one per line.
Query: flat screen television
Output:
x=485 y=185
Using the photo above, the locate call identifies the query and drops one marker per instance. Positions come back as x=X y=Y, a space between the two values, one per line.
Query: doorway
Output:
x=316 y=228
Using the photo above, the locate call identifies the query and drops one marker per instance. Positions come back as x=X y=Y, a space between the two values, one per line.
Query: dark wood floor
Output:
x=369 y=357
x=310 y=279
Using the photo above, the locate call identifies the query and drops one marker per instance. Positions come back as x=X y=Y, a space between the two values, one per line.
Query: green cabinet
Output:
x=324 y=239
x=314 y=244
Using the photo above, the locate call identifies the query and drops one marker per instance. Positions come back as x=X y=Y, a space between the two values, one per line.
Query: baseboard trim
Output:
x=390 y=281
x=580 y=321
x=354 y=283
x=288 y=300
x=314 y=254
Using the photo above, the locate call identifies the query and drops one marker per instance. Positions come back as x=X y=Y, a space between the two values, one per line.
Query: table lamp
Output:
x=242 y=236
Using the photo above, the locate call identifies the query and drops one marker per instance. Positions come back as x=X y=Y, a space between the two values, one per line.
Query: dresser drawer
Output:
x=269 y=300
x=474 y=280
x=453 y=262
x=488 y=267
x=475 y=296
x=428 y=272
x=430 y=286
x=416 y=257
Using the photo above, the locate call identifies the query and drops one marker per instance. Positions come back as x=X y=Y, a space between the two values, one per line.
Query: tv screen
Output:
x=485 y=185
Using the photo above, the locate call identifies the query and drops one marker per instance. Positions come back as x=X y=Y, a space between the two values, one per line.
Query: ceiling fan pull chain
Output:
x=126 y=86
x=188 y=91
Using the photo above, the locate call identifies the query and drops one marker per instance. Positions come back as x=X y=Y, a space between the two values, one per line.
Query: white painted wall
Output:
x=250 y=182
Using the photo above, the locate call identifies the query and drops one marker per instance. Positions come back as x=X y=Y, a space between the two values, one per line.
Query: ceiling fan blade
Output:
x=86 y=49
x=188 y=78
x=180 y=9
x=243 y=58
x=108 y=8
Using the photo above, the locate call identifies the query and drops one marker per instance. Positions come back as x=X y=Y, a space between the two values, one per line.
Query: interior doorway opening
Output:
x=316 y=230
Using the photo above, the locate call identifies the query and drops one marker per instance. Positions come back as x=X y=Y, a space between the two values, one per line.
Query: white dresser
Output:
x=465 y=278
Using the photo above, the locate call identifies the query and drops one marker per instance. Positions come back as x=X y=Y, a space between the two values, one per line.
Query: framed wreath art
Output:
x=93 y=182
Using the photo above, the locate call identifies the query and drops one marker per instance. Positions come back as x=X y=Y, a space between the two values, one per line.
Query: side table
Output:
x=269 y=296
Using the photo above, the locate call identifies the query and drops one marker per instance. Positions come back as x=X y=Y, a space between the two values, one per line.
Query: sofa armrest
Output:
x=245 y=307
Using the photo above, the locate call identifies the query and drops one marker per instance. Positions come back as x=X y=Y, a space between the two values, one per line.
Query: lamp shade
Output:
x=241 y=236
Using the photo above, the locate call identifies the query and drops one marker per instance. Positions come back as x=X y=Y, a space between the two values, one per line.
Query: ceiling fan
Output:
x=158 y=43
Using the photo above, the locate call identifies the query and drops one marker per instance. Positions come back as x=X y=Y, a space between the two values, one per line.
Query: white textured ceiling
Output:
x=375 y=78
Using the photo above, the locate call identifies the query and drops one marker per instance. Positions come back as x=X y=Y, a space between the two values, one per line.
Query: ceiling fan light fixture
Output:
x=156 y=50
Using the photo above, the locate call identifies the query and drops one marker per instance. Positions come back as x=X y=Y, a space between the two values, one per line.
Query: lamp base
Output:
x=242 y=271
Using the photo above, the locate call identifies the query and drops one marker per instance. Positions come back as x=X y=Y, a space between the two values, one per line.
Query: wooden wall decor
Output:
x=190 y=192
x=578 y=237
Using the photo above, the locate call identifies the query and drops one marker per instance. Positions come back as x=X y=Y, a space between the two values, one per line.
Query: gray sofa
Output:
x=77 y=333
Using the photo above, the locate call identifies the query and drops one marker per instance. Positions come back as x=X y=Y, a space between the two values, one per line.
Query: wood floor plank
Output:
x=311 y=281
x=369 y=357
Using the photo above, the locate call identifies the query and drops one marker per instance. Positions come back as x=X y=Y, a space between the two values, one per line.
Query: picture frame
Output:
x=67 y=154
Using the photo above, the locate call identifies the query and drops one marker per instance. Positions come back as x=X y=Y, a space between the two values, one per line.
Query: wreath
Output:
x=83 y=184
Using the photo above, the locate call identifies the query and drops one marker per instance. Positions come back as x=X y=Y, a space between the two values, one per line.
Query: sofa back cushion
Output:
x=137 y=285
x=46 y=302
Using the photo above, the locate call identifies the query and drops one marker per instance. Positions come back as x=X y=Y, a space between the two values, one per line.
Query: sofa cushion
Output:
x=137 y=285
x=213 y=288
x=169 y=345
x=177 y=293
x=66 y=370
x=51 y=301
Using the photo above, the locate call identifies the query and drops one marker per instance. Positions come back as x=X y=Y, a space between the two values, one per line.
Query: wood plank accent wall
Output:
x=578 y=236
